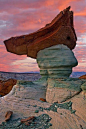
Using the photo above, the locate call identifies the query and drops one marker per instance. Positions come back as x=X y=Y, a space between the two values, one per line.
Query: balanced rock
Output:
x=59 y=31
x=56 y=61
x=6 y=86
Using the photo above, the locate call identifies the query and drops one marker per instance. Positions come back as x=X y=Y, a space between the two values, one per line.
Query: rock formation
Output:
x=56 y=61
x=6 y=86
x=83 y=77
x=51 y=46
x=60 y=90
x=8 y=115
x=66 y=101
x=55 y=65
x=59 y=31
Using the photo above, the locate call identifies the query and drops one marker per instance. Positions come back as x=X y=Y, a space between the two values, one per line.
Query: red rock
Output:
x=29 y=119
x=44 y=100
x=6 y=86
x=59 y=31
x=27 y=123
x=8 y=115
x=82 y=77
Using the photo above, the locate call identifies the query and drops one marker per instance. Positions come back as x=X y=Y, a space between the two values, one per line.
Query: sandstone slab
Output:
x=59 y=31
x=28 y=90
x=79 y=104
x=60 y=90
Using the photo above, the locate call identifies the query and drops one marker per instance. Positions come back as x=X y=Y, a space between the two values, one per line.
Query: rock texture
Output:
x=60 y=90
x=70 y=114
x=83 y=77
x=6 y=86
x=28 y=90
x=56 y=62
x=83 y=87
x=52 y=46
x=59 y=31
x=8 y=115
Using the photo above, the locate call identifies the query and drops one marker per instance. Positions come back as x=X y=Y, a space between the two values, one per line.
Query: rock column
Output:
x=56 y=65
x=56 y=61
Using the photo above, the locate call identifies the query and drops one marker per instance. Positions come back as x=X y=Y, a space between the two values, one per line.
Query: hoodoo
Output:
x=55 y=95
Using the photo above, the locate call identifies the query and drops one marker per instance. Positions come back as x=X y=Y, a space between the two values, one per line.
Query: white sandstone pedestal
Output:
x=56 y=62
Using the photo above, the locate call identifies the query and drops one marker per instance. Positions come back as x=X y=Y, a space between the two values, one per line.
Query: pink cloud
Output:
x=80 y=54
x=15 y=7
x=7 y=58
x=26 y=16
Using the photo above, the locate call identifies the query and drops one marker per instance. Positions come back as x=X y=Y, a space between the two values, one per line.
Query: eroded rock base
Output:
x=23 y=106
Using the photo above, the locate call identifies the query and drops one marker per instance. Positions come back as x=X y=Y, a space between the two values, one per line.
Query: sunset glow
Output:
x=23 y=17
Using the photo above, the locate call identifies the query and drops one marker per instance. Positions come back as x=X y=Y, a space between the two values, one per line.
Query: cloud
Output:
x=31 y=14
x=7 y=58
x=14 y=7
x=82 y=13
x=80 y=54
x=27 y=64
x=26 y=16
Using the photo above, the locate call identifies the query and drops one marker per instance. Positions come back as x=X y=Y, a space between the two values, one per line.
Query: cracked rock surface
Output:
x=68 y=114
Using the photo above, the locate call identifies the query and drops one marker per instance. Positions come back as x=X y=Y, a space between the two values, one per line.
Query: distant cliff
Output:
x=77 y=74
x=31 y=76
x=20 y=76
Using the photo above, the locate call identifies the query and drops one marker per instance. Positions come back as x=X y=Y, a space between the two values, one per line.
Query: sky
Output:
x=20 y=17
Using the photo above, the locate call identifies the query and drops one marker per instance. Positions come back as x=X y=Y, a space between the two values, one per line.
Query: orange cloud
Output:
x=26 y=16
x=80 y=14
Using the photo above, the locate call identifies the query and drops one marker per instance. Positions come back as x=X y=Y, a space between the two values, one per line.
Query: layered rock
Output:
x=59 y=31
x=28 y=98
x=60 y=90
x=6 y=86
x=28 y=90
x=56 y=61
x=56 y=65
